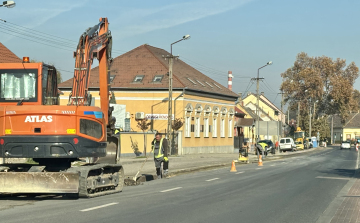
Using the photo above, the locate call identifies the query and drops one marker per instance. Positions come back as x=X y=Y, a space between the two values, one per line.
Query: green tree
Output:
x=323 y=83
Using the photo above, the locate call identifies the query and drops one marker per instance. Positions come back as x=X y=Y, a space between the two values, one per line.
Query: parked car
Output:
x=309 y=140
x=269 y=148
x=345 y=145
x=287 y=144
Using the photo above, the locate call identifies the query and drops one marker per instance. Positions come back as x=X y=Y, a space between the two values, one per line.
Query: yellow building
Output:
x=139 y=80
x=268 y=112
x=348 y=130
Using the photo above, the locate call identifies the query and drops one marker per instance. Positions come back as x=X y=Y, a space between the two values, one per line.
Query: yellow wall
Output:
x=248 y=133
x=193 y=141
x=267 y=109
x=352 y=132
x=130 y=140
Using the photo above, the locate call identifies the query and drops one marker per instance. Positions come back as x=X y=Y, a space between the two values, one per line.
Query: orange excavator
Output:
x=34 y=125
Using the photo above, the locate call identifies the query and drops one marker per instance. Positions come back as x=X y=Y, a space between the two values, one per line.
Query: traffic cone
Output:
x=260 y=163
x=357 y=147
x=233 y=168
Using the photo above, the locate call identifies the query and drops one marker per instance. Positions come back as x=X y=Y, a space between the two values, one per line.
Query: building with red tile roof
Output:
x=140 y=82
x=6 y=56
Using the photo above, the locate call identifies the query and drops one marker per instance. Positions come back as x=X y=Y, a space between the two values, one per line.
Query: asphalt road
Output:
x=296 y=189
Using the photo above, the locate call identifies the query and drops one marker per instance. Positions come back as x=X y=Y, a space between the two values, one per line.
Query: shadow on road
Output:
x=349 y=173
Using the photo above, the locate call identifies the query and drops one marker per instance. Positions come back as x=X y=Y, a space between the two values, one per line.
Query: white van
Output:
x=287 y=144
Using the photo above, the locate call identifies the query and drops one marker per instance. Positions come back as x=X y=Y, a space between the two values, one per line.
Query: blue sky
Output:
x=236 y=35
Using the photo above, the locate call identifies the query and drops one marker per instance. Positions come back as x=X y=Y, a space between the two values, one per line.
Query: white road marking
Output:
x=212 y=179
x=273 y=165
x=101 y=206
x=258 y=168
x=334 y=178
x=357 y=161
x=239 y=172
x=176 y=188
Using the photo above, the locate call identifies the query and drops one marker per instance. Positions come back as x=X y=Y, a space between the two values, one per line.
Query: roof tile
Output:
x=6 y=56
x=149 y=61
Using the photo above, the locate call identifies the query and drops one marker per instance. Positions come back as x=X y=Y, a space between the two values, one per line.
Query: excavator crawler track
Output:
x=99 y=179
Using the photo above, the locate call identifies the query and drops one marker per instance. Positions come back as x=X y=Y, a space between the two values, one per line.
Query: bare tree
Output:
x=144 y=125
x=177 y=124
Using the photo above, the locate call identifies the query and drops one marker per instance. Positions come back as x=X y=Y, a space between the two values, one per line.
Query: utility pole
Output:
x=282 y=112
x=258 y=98
x=169 y=123
x=332 y=129
x=171 y=61
x=257 y=106
x=288 y=116
x=298 y=116
x=310 y=118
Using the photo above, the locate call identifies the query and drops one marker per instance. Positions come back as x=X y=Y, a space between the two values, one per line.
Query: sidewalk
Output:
x=193 y=162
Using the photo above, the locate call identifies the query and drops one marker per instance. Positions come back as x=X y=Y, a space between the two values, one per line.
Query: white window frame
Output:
x=222 y=127
x=206 y=127
x=231 y=129
x=187 y=126
x=138 y=78
x=214 y=126
x=197 y=127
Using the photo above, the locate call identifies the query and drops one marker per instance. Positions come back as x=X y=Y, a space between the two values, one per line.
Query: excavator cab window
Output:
x=49 y=82
x=18 y=85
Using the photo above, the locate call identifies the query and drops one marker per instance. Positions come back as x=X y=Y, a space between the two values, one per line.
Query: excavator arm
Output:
x=95 y=42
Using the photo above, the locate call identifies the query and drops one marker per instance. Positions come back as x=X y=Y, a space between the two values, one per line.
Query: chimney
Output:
x=230 y=76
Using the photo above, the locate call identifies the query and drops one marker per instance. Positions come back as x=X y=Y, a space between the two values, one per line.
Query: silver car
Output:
x=345 y=145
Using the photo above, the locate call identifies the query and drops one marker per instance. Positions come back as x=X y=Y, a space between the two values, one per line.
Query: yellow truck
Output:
x=299 y=138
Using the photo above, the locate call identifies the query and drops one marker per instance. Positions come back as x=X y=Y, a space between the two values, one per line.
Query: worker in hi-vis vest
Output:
x=160 y=148
x=261 y=148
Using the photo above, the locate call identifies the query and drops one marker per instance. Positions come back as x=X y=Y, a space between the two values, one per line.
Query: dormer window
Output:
x=158 y=78
x=191 y=81
x=138 y=78
x=200 y=83
x=209 y=84
x=217 y=85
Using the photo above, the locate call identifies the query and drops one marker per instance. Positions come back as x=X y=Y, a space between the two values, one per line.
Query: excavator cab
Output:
x=28 y=83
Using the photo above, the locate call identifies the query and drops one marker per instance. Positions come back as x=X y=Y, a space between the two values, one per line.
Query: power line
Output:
x=34 y=40
x=50 y=41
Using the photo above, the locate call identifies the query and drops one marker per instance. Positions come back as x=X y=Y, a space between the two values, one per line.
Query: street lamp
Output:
x=258 y=98
x=8 y=4
x=171 y=57
x=152 y=115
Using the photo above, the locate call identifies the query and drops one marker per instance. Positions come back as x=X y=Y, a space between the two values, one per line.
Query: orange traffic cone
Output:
x=233 y=168
x=357 y=147
x=260 y=163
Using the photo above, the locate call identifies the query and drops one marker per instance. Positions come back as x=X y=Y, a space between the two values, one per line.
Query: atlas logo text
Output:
x=37 y=118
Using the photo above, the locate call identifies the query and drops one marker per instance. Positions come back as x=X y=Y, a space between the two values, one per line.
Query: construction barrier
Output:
x=233 y=168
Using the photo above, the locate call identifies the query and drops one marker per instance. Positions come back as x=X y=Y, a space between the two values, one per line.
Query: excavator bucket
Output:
x=112 y=151
x=39 y=182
